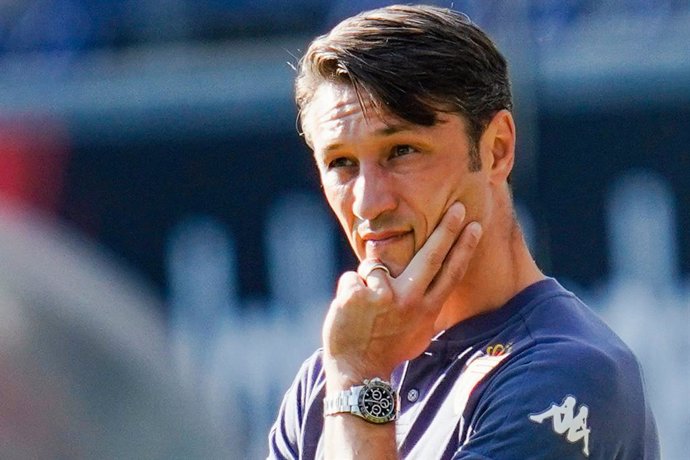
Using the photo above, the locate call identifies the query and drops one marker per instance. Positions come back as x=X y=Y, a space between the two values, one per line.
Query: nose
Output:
x=373 y=192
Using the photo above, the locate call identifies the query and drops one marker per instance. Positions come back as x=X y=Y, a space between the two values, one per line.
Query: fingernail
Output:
x=475 y=228
x=459 y=206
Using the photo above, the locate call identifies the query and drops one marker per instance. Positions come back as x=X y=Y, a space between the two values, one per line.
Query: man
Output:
x=448 y=341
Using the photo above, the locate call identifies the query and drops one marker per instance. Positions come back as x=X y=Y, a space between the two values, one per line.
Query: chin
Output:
x=396 y=267
x=395 y=258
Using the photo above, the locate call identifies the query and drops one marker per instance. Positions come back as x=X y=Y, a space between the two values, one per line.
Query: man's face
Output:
x=389 y=181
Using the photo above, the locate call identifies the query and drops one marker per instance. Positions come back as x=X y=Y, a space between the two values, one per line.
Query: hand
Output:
x=376 y=322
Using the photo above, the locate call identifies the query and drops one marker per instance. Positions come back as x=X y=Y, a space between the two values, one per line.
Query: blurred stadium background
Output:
x=164 y=132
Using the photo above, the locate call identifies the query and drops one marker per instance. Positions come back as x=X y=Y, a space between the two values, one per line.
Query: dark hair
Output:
x=412 y=62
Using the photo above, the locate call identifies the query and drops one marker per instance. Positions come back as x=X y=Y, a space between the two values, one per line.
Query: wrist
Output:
x=341 y=374
x=373 y=400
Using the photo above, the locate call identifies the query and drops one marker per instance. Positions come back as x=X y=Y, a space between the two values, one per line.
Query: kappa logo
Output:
x=566 y=422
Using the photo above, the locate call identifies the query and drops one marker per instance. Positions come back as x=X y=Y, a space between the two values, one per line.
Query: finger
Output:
x=374 y=273
x=428 y=261
x=348 y=281
x=457 y=262
x=367 y=266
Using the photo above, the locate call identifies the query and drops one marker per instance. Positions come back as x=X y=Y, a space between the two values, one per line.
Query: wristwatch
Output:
x=375 y=401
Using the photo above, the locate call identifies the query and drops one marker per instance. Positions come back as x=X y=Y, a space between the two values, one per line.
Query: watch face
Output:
x=377 y=402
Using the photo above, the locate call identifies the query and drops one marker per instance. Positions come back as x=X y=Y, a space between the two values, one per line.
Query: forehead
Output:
x=333 y=99
x=335 y=115
x=335 y=109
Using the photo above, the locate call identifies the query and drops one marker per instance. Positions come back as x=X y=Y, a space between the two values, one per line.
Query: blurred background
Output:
x=164 y=134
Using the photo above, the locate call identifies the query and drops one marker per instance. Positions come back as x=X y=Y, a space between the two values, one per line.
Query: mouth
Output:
x=380 y=240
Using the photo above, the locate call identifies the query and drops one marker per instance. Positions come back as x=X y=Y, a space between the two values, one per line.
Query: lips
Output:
x=381 y=239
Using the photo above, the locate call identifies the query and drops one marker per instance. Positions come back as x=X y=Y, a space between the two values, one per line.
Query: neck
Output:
x=501 y=268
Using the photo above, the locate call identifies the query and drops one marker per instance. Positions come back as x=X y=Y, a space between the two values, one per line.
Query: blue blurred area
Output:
x=166 y=132
x=82 y=25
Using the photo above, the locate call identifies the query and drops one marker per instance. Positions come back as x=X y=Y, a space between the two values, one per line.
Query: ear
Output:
x=497 y=146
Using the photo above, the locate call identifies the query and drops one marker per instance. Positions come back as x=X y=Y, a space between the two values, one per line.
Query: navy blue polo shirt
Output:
x=540 y=378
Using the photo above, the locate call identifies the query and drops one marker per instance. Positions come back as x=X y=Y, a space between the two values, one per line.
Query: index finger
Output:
x=429 y=259
x=374 y=273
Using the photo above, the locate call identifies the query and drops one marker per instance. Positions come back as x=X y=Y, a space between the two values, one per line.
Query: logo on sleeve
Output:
x=565 y=421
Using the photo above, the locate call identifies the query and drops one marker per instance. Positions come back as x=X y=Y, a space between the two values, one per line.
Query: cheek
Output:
x=429 y=201
x=339 y=200
x=467 y=190
x=476 y=199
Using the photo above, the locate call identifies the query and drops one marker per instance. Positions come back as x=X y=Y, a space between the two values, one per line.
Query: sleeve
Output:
x=284 y=434
x=565 y=402
x=286 y=439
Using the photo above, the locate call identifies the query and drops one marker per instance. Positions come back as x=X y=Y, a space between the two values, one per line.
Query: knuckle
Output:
x=383 y=296
x=435 y=258
x=346 y=281
x=457 y=271
x=352 y=295
x=408 y=299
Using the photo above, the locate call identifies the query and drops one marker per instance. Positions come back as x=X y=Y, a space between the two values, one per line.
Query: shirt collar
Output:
x=467 y=332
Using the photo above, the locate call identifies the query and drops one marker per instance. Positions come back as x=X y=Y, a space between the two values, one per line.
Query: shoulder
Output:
x=604 y=374
x=568 y=383
x=559 y=330
x=567 y=341
x=571 y=354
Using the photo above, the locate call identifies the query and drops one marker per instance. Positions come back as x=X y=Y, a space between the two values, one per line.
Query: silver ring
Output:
x=374 y=266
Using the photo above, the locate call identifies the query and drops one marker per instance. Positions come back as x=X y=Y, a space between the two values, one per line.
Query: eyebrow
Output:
x=386 y=131
x=392 y=129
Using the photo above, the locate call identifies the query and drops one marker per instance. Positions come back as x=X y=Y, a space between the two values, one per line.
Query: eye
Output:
x=340 y=162
x=400 y=150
